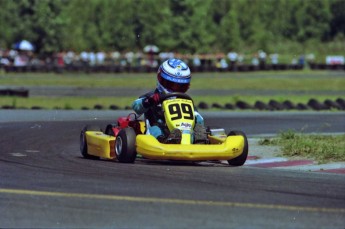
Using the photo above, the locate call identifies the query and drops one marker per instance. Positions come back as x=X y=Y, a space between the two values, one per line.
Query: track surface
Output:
x=44 y=182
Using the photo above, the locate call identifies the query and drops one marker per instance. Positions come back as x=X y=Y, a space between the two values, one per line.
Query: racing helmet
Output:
x=173 y=76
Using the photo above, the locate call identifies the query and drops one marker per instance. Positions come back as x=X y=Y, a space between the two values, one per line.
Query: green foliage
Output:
x=230 y=31
x=323 y=148
x=187 y=26
x=312 y=19
x=37 y=21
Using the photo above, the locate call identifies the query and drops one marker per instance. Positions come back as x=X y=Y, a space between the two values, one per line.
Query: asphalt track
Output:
x=45 y=183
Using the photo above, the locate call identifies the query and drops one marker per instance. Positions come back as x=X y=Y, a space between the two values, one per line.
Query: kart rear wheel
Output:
x=125 y=145
x=83 y=142
x=241 y=159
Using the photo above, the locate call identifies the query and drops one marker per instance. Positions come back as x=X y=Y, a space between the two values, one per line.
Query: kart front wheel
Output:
x=83 y=141
x=125 y=145
x=241 y=159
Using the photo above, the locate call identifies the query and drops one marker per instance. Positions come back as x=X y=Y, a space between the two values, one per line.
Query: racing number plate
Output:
x=179 y=113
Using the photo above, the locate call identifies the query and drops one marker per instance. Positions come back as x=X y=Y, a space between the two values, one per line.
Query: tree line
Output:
x=186 y=26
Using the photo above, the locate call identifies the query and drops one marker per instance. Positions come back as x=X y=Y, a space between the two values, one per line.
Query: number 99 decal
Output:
x=178 y=111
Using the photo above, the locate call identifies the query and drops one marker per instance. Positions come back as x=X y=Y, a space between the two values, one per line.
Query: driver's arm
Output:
x=198 y=118
x=142 y=104
x=138 y=106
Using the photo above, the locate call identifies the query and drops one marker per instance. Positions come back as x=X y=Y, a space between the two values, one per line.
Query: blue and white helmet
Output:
x=173 y=76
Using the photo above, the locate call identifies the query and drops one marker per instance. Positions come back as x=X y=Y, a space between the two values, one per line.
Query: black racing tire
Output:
x=125 y=145
x=83 y=143
x=241 y=159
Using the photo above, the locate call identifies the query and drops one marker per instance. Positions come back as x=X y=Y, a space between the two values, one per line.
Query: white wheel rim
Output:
x=118 y=147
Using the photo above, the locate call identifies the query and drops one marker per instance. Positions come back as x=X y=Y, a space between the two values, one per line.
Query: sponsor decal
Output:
x=186 y=125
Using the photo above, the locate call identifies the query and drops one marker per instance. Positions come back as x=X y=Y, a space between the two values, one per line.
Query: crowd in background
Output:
x=140 y=61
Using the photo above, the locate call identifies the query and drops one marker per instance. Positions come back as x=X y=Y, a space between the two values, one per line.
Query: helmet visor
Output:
x=172 y=86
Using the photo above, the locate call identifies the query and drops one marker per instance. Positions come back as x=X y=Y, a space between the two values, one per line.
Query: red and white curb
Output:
x=291 y=164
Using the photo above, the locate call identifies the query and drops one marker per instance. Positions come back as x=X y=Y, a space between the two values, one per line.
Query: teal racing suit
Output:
x=154 y=115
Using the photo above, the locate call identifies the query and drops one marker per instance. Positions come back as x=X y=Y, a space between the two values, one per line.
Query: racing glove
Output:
x=152 y=100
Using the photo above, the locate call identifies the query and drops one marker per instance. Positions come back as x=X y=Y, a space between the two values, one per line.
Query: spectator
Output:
x=69 y=58
x=84 y=58
x=100 y=58
x=92 y=58
x=240 y=59
x=163 y=56
x=12 y=54
x=222 y=65
x=129 y=56
x=262 y=59
x=4 y=60
x=138 y=56
x=233 y=60
x=21 y=60
x=310 y=59
x=301 y=61
x=274 y=60
x=196 y=63
x=115 y=56
x=255 y=61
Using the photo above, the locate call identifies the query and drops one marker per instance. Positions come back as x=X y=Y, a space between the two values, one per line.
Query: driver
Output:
x=173 y=76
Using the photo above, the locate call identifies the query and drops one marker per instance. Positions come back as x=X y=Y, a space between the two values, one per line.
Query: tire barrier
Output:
x=289 y=105
x=243 y=105
x=229 y=106
x=341 y=102
x=37 y=108
x=217 y=106
x=272 y=105
x=275 y=105
x=259 y=105
x=19 y=92
x=332 y=105
x=318 y=66
x=98 y=107
x=114 y=107
x=316 y=105
x=203 y=105
x=302 y=107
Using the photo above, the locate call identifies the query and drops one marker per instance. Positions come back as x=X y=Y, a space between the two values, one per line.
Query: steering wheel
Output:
x=175 y=94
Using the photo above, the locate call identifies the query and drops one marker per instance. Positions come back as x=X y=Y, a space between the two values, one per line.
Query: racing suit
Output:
x=154 y=115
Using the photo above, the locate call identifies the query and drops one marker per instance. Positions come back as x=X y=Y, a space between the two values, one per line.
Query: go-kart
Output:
x=129 y=137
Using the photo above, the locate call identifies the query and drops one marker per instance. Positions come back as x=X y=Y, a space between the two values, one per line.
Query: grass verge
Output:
x=306 y=81
x=66 y=103
x=296 y=86
x=322 y=148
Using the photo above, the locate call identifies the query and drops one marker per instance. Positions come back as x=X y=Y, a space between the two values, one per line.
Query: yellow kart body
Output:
x=220 y=148
x=100 y=144
x=130 y=137
x=149 y=147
